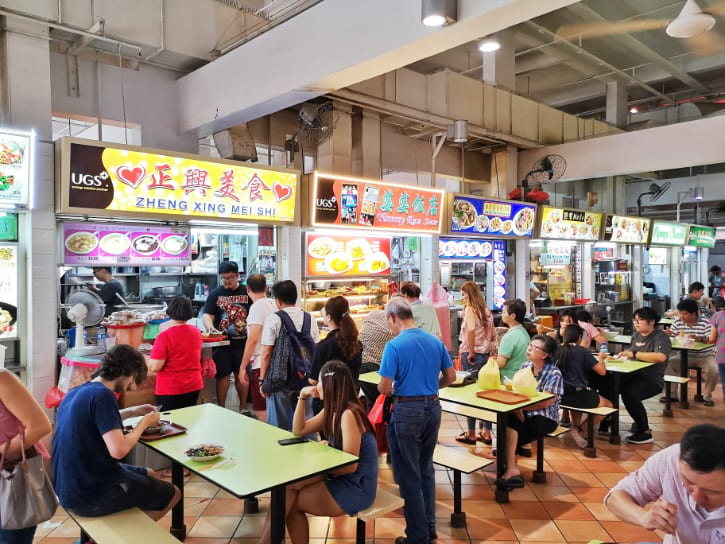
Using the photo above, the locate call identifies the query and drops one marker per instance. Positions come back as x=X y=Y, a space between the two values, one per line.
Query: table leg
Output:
x=178 y=527
x=684 y=372
x=277 y=515
x=614 y=437
x=502 y=493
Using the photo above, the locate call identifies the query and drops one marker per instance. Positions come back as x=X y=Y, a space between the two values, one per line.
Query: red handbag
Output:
x=379 y=416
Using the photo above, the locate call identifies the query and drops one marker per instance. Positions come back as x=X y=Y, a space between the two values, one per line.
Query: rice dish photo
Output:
x=320 y=248
x=337 y=263
x=81 y=242
x=481 y=223
x=486 y=249
x=358 y=248
x=507 y=226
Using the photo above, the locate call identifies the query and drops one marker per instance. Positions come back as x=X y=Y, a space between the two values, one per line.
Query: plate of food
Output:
x=338 y=263
x=377 y=262
x=174 y=245
x=499 y=279
x=157 y=429
x=464 y=213
x=481 y=223
x=204 y=452
x=319 y=248
x=486 y=249
x=115 y=243
x=462 y=248
x=10 y=152
x=146 y=244
x=474 y=249
x=524 y=221
x=357 y=248
x=507 y=226
x=499 y=267
x=209 y=337
x=450 y=249
x=499 y=291
x=495 y=224
x=81 y=243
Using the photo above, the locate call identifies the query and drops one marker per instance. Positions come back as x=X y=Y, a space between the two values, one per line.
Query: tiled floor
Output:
x=568 y=508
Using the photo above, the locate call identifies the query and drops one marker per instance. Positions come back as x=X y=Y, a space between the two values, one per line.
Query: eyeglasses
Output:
x=229 y=277
x=532 y=345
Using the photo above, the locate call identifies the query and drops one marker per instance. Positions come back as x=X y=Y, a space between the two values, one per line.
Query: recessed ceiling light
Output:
x=438 y=12
x=489 y=45
x=633 y=109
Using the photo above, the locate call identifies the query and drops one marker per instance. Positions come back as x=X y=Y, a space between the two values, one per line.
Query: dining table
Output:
x=252 y=462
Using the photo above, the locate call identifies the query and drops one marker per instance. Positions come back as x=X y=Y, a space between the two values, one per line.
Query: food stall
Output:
x=662 y=264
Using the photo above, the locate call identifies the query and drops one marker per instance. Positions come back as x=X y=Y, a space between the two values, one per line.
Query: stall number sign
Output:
x=665 y=233
x=701 y=236
x=132 y=180
x=492 y=217
x=347 y=255
x=15 y=160
x=628 y=230
x=570 y=224
x=358 y=203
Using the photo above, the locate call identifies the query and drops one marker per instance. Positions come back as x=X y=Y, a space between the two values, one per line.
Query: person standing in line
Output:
x=109 y=290
x=424 y=314
x=176 y=359
x=374 y=335
x=411 y=365
x=225 y=311
x=716 y=281
x=478 y=338
x=20 y=415
x=717 y=337
x=262 y=307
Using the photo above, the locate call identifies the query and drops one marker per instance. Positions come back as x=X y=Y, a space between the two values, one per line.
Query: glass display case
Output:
x=556 y=271
x=362 y=294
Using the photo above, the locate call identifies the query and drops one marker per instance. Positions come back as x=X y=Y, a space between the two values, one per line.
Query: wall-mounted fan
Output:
x=655 y=191
x=545 y=170
x=317 y=121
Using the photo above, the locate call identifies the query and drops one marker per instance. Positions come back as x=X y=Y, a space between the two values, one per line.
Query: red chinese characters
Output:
x=226 y=189
x=255 y=186
x=196 y=179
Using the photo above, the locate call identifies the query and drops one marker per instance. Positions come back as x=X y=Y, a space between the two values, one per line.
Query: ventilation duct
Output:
x=236 y=144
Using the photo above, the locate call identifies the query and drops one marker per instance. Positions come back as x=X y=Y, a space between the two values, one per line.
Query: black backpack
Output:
x=291 y=359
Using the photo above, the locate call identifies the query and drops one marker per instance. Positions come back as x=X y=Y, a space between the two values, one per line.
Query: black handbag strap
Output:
x=3 y=457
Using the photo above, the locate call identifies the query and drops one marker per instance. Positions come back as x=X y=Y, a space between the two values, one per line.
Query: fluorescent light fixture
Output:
x=699 y=193
x=489 y=45
x=438 y=12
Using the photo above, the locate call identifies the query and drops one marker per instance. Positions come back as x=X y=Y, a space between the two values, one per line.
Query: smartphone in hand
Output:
x=293 y=440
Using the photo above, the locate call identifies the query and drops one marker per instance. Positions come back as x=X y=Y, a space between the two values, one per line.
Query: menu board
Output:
x=667 y=233
x=493 y=217
x=570 y=224
x=96 y=244
x=499 y=273
x=15 y=157
x=8 y=290
x=358 y=203
x=627 y=230
x=470 y=250
x=700 y=236
x=9 y=227
x=347 y=255
x=134 y=181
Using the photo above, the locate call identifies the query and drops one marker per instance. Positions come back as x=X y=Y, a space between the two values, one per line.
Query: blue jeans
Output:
x=473 y=365
x=17 y=536
x=412 y=436
x=281 y=408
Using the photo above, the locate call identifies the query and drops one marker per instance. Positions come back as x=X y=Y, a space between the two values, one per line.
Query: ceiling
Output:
x=571 y=74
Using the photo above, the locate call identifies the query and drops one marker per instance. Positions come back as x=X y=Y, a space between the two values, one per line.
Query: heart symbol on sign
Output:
x=131 y=176
x=281 y=192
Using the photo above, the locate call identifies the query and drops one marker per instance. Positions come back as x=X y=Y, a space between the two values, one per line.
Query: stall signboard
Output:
x=9 y=227
x=96 y=244
x=667 y=233
x=627 y=230
x=700 y=236
x=454 y=249
x=359 y=203
x=98 y=179
x=347 y=255
x=8 y=290
x=568 y=224
x=15 y=160
x=508 y=218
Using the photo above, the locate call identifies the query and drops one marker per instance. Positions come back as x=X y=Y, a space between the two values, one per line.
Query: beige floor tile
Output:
x=600 y=512
x=250 y=527
x=200 y=489
x=215 y=527
x=536 y=530
x=581 y=530
x=493 y=529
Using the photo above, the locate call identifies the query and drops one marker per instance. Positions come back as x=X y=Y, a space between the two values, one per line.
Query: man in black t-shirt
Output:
x=225 y=311
x=109 y=289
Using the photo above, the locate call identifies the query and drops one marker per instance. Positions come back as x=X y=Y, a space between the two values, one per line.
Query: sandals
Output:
x=488 y=441
x=516 y=482
x=464 y=439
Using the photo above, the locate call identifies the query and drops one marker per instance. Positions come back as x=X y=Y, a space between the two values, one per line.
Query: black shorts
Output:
x=586 y=398
x=531 y=428
x=134 y=488
x=228 y=360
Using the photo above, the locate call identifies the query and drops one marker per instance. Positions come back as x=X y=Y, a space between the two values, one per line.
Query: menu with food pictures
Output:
x=628 y=230
x=569 y=224
x=668 y=233
x=343 y=255
x=8 y=290
x=97 y=244
x=456 y=248
x=15 y=167
x=507 y=218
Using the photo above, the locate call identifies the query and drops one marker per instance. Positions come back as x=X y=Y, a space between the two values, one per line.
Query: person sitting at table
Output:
x=533 y=422
x=176 y=359
x=591 y=333
x=679 y=490
x=566 y=318
x=342 y=491
x=696 y=292
x=690 y=323
x=651 y=346
x=575 y=363
x=89 y=441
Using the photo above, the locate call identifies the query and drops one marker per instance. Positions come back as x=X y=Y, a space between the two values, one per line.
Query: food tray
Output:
x=172 y=429
x=504 y=397
x=213 y=338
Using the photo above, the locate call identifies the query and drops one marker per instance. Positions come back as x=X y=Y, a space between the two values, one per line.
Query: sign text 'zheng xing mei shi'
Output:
x=626 y=230
x=700 y=236
x=509 y=218
x=96 y=244
x=667 y=233
x=347 y=255
x=568 y=224
x=139 y=181
x=15 y=157
x=358 y=203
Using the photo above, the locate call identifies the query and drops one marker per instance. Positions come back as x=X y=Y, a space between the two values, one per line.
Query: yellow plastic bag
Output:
x=524 y=382
x=488 y=376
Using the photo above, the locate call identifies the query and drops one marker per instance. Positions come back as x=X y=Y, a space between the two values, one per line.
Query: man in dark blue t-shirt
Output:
x=89 y=441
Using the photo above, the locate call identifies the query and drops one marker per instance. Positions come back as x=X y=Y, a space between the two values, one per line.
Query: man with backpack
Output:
x=288 y=340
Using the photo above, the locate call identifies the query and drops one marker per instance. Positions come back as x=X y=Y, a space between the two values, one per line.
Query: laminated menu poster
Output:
x=506 y=218
x=628 y=230
x=568 y=224
x=359 y=203
x=135 y=181
x=8 y=290
x=97 y=244
x=347 y=255
x=15 y=151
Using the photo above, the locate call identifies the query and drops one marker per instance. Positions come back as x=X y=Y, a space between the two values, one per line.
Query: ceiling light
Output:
x=489 y=45
x=699 y=193
x=438 y=12
x=691 y=22
x=633 y=109
x=458 y=131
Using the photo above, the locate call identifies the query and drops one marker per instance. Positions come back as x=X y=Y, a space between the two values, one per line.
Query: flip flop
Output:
x=463 y=439
x=487 y=441
x=517 y=482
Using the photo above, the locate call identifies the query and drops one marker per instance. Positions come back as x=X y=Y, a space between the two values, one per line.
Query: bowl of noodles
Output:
x=523 y=221
x=81 y=243
x=464 y=213
x=8 y=315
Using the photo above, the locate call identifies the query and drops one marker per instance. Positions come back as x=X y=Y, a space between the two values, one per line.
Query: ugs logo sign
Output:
x=326 y=203
x=88 y=180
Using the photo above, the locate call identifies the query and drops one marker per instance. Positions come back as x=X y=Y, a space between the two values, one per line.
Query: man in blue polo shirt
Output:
x=414 y=366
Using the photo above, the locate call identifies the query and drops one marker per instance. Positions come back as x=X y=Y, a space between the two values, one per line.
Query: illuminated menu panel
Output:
x=700 y=236
x=667 y=233
x=505 y=218
x=568 y=224
x=627 y=230
x=15 y=160
x=347 y=255
x=8 y=290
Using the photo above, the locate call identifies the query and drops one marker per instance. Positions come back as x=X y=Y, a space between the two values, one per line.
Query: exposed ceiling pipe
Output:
x=162 y=30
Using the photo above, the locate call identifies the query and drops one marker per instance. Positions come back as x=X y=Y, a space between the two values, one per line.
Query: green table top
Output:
x=253 y=461
x=370 y=377
x=696 y=346
x=666 y=321
x=625 y=366
x=620 y=339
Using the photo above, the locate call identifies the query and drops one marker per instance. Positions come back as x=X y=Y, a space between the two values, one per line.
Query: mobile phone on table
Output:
x=293 y=440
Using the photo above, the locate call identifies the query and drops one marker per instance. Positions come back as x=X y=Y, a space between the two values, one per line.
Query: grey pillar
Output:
x=617 y=110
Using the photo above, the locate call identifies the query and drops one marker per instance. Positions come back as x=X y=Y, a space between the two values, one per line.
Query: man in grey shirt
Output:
x=424 y=314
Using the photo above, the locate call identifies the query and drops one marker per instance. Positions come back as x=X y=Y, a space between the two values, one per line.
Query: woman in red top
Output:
x=176 y=359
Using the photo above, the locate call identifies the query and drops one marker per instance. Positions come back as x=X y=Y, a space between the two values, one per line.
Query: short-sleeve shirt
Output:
x=550 y=380
x=180 y=347
x=374 y=335
x=701 y=327
x=329 y=349
x=425 y=317
x=579 y=362
x=83 y=468
x=258 y=314
x=656 y=341
x=273 y=324
x=718 y=321
x=590 y=331
x=513 y=346
x=413 y=360
x=483 y=336
x=230 y=308
x=108 y=295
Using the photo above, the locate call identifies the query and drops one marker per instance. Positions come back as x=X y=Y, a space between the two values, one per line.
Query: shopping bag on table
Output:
x=488 y=376
x=379 y=416
x=524 y=382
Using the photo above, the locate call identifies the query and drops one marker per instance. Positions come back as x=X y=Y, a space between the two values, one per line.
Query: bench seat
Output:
x=669 y=380
x=131 y=525
x=385 y=502
x=590 y=450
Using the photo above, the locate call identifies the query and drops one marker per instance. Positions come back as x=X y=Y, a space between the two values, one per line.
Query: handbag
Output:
x=379 y=417
x=26 y=494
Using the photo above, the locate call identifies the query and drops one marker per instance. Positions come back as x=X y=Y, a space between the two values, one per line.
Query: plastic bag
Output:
x=439 y=299
x=524 y=382
x=379 y=416
x=53 y=397
x=208 y=368
x=488 y=376
x=437 y=294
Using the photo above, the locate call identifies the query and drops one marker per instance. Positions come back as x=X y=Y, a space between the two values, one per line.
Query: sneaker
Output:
x=640 y=438
x=578 y=436
x=708 y=402
x=633 y=428
x=672 y=399
x=401 y=540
